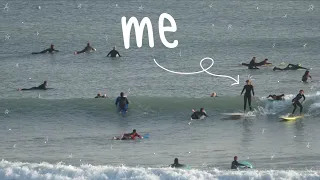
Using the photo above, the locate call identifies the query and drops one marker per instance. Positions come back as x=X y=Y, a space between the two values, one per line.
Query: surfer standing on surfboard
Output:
x=295 y=102
x=247 y=95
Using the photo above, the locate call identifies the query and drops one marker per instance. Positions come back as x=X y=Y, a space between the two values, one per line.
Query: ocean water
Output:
x=65 y=133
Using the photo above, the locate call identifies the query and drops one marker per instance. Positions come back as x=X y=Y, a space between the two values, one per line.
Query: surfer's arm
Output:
x=243 y=89
x=252 y=90
x=127 y=101
x=119 y=54
x=109 y=53
x=117 y=100
x=304 y=98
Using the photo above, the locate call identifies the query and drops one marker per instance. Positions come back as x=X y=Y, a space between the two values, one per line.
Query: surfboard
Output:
x=247 y=164
x=288 y=118
x=21 y=89
x=145 y=136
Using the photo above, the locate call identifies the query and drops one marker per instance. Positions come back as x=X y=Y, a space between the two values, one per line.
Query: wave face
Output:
x=156 y=104
x=46 y=171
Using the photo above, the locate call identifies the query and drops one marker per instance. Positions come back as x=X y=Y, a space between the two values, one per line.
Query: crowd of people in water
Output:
x=248 y=90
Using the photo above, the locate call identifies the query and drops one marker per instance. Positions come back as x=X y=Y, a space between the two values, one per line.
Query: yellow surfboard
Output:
x=292 y=118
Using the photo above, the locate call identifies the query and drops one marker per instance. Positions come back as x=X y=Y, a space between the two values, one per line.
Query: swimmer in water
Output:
x=290 y=67
x=275 y=97
x=87 y=49
x=50 y=50
x=306 y=76
x=101 y=96
x=43 y=86
x=122 y=103
x=114 y=53
x=252 y=64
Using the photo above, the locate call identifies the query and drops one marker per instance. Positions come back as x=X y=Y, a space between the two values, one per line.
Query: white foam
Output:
x=60 y=171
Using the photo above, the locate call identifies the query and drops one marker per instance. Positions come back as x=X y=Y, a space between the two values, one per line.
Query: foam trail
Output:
x=46 y=171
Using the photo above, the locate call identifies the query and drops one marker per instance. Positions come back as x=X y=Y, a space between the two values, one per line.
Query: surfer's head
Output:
x=176 y=161
x=254 y=58
x=98 y=94
x=121 y=94
x=114 y=48
x=51 y=46
x=213 y=94
x=88 y=44
x=248 y=82
x=235 y=158
x=301 y=91
x=201 y=109
x=265 y=60
x=134 y=131
x=44 y=82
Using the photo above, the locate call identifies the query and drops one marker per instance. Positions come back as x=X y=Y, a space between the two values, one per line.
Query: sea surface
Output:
x=65 y=133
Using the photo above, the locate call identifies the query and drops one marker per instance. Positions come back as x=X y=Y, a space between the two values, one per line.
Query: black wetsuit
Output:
x=252 y=65
x=305 y=77
x=113 y=53
x=247 y=96
x=122 y=102
x=290 y=67
x=177 y=165
x=86 y=49
x=276 y=97
x=198 y=115
x=42 y=86
x=295 y=102
x=50 y=50
x=262 y=63
x=235 y=164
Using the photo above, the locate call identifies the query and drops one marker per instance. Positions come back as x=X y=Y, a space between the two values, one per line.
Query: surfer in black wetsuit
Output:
x=247 y=95
x=275 y=97
x=50 y=50
x=122 y=102
x=290 y=67
x=235 y=164
x=306 y=76
x=264 y=62
x=252 y=64
x=88 y=48
x=199 y=114
x=40 y=87
x=176 y=164
x=113 y=53
x=295 y=101
x=101 y=96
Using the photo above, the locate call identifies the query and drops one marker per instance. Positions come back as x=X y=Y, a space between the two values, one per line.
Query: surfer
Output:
x=235 y=164
x=252 y=64
x=43 y=86
x=275 y=97
x=262 y=63
x=50 y=50
x=88 y=48
x=176 y=164
x=295 y=102
x=113 y=53
x=101 y=96
x=247 y=95
x=199 y=114
x=132 y=135
x=122 y=102
x=214 y=94
x=290 y=67
x=306 y=76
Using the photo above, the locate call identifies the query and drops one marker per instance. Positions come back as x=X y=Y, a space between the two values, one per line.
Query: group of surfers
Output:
x=87 y=49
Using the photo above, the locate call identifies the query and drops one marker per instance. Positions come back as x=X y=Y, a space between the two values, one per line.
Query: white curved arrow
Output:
x=197 y=72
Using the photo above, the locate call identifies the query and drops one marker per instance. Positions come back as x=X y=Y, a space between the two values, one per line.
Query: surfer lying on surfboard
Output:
x=199 y=114
x=253 y=64
x=88 y=48
x=50 y=50
x=132 y=135
x=40 y=87
x=295 y=102
x=277 y=97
